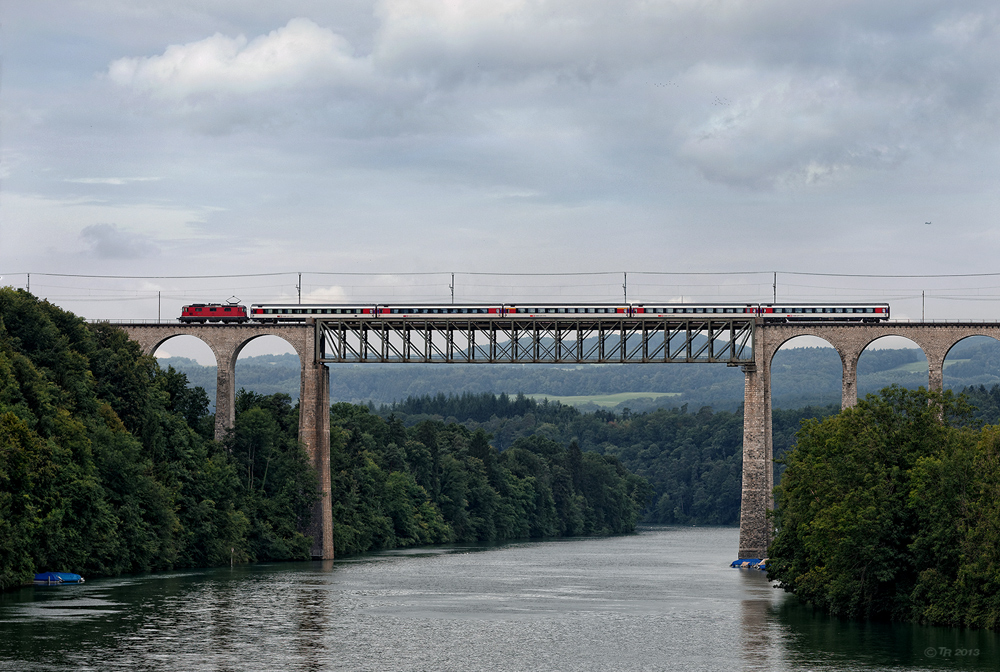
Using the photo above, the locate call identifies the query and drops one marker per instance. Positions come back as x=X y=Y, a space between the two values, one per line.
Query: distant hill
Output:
x=800 y=377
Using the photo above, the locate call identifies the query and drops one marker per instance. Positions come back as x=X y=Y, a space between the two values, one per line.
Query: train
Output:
x=274 y=313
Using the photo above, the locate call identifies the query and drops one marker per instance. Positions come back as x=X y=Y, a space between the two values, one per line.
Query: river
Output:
x=662 y=599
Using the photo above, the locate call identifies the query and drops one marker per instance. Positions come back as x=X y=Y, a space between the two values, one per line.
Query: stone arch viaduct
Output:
x=849 y=340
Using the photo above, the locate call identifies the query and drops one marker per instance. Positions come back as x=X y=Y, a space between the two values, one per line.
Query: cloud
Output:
x=750 y=94
x=300 y=54
x=107 y=241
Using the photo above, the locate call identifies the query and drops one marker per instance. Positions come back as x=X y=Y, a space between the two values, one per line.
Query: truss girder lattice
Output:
x=461 y=340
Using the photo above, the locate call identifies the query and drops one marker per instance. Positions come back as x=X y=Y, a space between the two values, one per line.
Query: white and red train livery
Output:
x=294 y=312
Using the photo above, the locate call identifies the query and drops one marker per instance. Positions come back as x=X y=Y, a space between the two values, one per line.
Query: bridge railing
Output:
x=133 y=321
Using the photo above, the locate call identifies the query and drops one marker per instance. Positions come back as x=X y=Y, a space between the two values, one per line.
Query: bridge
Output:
x=733 y=340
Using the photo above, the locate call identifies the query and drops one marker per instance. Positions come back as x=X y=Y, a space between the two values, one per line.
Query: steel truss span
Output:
x=564 y=340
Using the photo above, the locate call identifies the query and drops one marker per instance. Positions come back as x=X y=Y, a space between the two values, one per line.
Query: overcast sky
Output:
x=242 y=136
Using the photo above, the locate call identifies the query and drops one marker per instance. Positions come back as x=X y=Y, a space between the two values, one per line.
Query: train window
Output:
x=869 y=310
x=560 y=310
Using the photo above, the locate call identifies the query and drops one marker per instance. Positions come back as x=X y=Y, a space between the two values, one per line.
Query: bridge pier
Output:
x=849 y=388
x=758 y=465
x=225 y=392
x=314 y=432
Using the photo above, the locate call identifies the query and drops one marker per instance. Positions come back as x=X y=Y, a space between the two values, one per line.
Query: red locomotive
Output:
x=214 y=312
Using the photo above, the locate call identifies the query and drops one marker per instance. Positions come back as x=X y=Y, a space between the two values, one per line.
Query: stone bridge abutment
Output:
x=226 y=342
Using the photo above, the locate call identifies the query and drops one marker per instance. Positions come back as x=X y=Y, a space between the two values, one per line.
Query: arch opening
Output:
x=267 y=365
x=972 y=366
x=806 y=382
x=184 y=349
x=805 y=371
x=891 y=360
x=194 y=358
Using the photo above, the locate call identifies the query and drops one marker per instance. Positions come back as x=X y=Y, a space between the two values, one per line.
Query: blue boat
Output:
x=56 y=578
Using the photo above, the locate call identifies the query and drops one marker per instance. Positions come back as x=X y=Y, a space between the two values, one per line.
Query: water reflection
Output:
x=757 y=638
x=313 y=608
x=818 y=640
x=663 y=599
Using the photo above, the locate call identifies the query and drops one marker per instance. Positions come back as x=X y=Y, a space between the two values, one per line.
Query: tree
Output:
x=856 y=519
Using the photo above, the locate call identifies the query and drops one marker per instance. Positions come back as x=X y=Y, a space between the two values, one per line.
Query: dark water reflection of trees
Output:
x=813 y=636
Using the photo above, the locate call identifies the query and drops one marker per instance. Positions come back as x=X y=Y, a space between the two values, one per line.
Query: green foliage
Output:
x=890 y=510
x=433 y=483
x=985 y=403
x=106 y=462
x=693 y=461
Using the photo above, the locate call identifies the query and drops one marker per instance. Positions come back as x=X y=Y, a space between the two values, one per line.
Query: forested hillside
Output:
x=692 y=460
x=430 y=483
x=106 y=466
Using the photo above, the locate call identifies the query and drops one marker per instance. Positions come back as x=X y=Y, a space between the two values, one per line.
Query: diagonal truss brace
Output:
x=549 y=340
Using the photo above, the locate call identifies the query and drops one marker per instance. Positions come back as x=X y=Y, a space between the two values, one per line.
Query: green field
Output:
x=921 y=367
x=605 y=400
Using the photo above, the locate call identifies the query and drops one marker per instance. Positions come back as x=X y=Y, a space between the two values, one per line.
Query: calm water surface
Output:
x=663 y=599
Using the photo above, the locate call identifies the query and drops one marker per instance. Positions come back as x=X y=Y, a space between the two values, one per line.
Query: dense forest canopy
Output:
x=693 y=460
x=891 y=510
x=106 y=465
x=431 y=483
